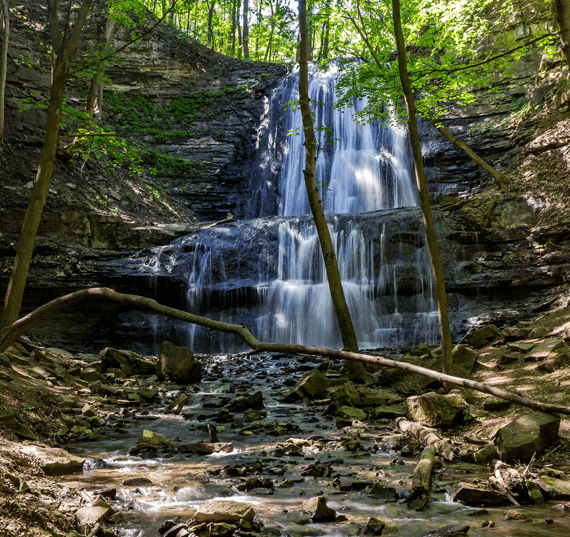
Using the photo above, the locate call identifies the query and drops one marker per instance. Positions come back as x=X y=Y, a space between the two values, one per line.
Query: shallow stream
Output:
x=180 y=483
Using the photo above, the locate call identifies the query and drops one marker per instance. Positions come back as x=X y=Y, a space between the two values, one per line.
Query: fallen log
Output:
x=421 y=483
x=442 y=447
x=12 y=333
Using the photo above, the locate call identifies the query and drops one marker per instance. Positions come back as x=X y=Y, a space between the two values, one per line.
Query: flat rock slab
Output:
x=545 y=349
x=224 y=511
x=54 y=461
x=527 y=435
x=522 y=346
x=435 y=410
x=557 y=489
x=87 y=517
x=473 y=495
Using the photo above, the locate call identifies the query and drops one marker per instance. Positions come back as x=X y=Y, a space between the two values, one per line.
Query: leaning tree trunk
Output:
x=424 y=197
x=331 y=265
x=17 y=284
x=4 y=61
x=562 y=8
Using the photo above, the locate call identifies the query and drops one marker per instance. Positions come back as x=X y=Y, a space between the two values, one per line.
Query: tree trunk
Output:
x=498 y=177
x=94 y=101
x=17 y=284
x=563 y=17
x=421 y=483
x=333 y=274
x=245 y=29
x=210 y=21
x=11 y=334
x=4 y=61
x=424 y=197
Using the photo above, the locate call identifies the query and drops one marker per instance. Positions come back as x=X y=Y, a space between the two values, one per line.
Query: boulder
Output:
x=224 y=511
x=87 y=517
x=54 y=461
x=527 y=435
x=311 y=386
x=152 y=439
x=483 y=336
x=436 y=410
x=486 y=454
x=451 y=529
x=374 y=526
x=557 y=489
x=383 y=492
x=177 y=364
x=244 y=402
x=473 y=495
x=344 y=395
x=464 y=359
x=318 y=509
x=350 y=413
x=129 y=362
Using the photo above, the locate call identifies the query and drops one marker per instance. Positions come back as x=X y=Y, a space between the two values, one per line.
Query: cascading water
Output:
x=267 y=271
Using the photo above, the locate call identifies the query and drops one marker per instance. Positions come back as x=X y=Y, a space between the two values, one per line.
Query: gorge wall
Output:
x=492 y=275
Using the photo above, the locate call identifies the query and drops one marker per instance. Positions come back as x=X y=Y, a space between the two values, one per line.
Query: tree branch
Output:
x=13 y=332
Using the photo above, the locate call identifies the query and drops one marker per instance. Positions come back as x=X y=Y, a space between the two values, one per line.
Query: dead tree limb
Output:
x=12 y=333
x=444 y=449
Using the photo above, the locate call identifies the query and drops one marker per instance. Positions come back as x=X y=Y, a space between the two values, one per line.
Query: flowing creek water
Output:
x=179 y=482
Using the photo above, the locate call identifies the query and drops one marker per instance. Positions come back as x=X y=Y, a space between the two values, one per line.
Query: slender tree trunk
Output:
x=562 y=8
x=4 y=61
x=11 y=334
x=333 y=274
x=245 y=29
x=498 y=177
x=238 y=23
x=64 y=52
x=94 y=101
x=424 y=197
x=233 y=30
x=270 y=40
x=210 y=20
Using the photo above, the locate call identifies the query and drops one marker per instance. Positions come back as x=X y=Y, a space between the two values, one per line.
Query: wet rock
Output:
x=224 y=511
x=129 y=362
x=436 y=410
x=87 y=517
x=244 y=402
x=527 y=435
x=383 y=492
x=318 y=509
x=177 y=364
x=109 y=494
x=351 y=414
x=152 y=439
x=137 y=482
x=557 y=489
x=176 y=406
x=483 y=336
x=222 y=529
x=374 y=526
x=534 y=492
x=311 y=386
x=54 y=461
x=148 y=394
x=473 y=495
x=318 y=469
x=464 y=359
x=451 y=529
x=205 y=448
x=176 y=531
x=485 y=454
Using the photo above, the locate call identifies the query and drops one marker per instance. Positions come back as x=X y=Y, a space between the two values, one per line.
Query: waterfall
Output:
x=360 y=167
x=267 y=271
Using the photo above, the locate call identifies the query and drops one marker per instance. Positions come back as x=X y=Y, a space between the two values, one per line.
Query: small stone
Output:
x=374 y=526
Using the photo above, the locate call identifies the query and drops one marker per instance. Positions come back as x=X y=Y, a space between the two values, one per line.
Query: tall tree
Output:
x=4 y=60
x=422 y=187
x=246 y=29
x=342 y=313
x=64 y=47
x=562 y=8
